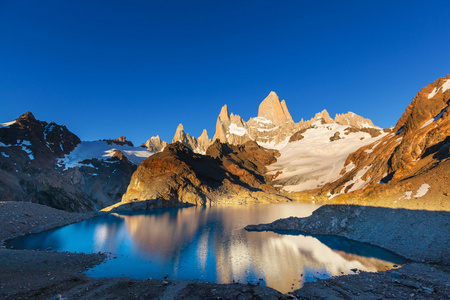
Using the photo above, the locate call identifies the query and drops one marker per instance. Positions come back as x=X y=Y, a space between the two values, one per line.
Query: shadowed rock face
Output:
x=179 y=175
x=29 y=169
x=412 y=156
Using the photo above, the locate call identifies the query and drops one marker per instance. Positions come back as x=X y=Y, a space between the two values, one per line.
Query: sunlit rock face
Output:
x=46 y=163
x=410 y=165
x=274 y=126
x=273 y=110
x=226 y=174
x=155 y=144
x=198 y=145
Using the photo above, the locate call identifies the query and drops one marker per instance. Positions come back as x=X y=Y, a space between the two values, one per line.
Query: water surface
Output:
x=210 y=244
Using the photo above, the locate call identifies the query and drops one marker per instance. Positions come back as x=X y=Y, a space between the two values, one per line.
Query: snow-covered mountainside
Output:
x=102 y=150
x=318 y=156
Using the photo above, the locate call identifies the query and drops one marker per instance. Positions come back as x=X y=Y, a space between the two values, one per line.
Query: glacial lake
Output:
x=210 y=244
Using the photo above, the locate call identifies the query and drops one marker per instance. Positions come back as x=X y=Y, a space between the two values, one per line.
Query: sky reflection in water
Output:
x=210 y=244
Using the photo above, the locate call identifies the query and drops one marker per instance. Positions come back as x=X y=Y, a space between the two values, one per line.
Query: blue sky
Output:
x=139 y=68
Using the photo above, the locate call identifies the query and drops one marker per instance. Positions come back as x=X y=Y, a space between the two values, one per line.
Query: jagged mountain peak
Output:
x=27 y=116
x=155 y=144
x=224 y=114
x=324 y=116
x=272 y=109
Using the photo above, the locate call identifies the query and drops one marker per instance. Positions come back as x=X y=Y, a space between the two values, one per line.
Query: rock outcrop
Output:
x=198 y=145
x=226 y=174
x=155 y=144
x=122 y=140
x=32 y=153
x=273 y=110
x=409 y=166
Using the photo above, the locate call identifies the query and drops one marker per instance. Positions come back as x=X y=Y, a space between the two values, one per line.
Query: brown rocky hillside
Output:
x=226 y=174
x=409 y=167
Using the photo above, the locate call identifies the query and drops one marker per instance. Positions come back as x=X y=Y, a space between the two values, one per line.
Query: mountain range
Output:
x=269 y=158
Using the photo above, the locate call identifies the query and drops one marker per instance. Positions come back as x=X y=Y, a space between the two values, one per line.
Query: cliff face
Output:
x=226 y=174
x=409 y=165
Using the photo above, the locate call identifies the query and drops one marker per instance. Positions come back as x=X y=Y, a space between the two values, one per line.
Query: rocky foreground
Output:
x=29 y=274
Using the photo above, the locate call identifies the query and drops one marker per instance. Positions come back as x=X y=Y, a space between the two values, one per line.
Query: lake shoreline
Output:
x=47 y=274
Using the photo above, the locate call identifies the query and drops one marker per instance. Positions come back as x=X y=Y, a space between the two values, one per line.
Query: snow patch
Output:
x=407 y=195
x=262 y=120
x=443 y=87
x=7 y=124
x=234 y=129
x=422 y=190
x=435 y=118
x=4 y=154
x=274 y=144
x=433 y=93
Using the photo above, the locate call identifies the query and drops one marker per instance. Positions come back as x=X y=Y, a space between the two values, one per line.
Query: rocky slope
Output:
x=226 y=174
x=407 y=167
x=46 y=163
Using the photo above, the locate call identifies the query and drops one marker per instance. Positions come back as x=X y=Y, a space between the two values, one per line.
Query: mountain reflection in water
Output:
x=210 y=244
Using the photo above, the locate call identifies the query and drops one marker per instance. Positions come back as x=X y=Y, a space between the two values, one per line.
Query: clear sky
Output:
x=139 y=68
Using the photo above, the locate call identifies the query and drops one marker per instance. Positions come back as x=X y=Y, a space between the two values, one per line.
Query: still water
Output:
x=210 y=244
